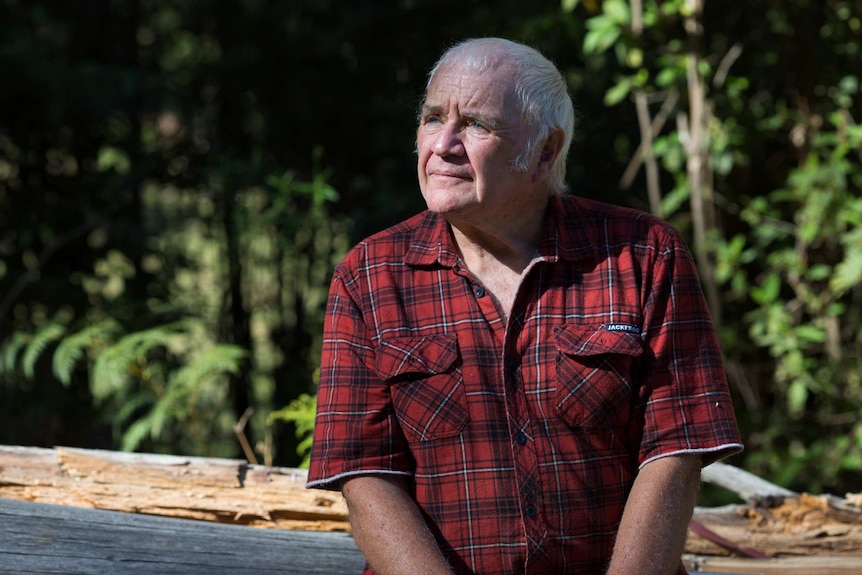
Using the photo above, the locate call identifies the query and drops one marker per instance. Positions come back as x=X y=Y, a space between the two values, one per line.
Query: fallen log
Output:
x=209 y=489
x=777 y=531
x=749 y=487
x=40 y=539
x=789 y=531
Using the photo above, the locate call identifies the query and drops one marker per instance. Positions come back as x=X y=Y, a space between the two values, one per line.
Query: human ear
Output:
x=547 y=157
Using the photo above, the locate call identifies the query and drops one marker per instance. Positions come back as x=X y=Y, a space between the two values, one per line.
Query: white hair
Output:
x=540 y=87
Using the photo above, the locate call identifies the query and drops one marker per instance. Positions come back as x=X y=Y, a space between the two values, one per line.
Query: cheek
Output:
x=422 y=150
x=421 y=162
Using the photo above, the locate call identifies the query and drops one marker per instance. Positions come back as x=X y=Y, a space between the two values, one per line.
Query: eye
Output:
x=477 y=125
x=430 y=119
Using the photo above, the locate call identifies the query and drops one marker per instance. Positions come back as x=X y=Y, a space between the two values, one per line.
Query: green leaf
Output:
x=111 y=158
x=9 y=358
x=137 y=432
x=819 y=272
x=40 y=341
x=602 y=35
x=617 y=93
x=212 y=363
x=797 y=396
x=768 y=290
x=848 y=273
x=617 y=11
x=810 y=334
x=672 y=201
x=300 y=412
x=569 y=5
x=113 y=367
x=72 y=348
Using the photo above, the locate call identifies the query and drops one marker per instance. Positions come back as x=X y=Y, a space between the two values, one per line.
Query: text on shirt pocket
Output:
x=594 y=375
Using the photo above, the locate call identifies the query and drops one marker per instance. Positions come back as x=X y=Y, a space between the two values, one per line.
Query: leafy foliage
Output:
x=300 y=412
x=73 y=348
x=165 y=381
x=169 y=217
x=786 y=252
x=797 y=264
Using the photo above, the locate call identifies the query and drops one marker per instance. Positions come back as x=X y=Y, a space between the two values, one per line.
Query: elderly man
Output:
x=517 y=380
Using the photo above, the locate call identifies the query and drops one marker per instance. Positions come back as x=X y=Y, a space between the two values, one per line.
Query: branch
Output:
x=724 y=66
x=751 y=488
x=646 y=153
x=654 y=129
x=239 y=430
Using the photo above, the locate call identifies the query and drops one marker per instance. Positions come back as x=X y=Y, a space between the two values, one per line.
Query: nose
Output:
x=449 y=141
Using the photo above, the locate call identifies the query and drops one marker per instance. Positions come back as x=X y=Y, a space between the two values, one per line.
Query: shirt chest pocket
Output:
x=595 y=376
x=426 y=385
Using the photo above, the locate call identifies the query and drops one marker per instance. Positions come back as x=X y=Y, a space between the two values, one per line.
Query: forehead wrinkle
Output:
x=455 y=84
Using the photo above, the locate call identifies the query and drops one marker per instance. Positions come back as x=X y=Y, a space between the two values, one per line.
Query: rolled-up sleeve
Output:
x=356 y=430
x=687 y=407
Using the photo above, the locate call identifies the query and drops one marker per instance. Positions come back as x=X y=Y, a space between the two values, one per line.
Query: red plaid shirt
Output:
x=523 y=438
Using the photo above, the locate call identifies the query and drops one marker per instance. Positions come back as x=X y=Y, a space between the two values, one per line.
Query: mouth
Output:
x=449 y=175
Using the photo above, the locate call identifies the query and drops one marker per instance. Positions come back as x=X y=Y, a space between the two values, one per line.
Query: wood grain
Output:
x=41 y=539
x=219 y=490
x=71 y=491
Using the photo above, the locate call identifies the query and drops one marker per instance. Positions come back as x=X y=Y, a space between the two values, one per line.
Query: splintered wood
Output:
x=775 y=532
x=778 y=534
x=803 y=525
x=221 y=490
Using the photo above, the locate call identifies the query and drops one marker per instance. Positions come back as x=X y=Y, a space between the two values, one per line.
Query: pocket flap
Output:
x=403 y=355
x=579 y=340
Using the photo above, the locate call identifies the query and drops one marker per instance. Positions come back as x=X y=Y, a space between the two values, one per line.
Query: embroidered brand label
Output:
x=622 y=327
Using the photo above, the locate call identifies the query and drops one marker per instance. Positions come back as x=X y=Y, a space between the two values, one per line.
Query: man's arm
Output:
x=652 y=533
x=389 y=528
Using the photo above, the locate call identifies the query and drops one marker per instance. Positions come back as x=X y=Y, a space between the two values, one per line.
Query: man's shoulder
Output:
x=604 y=211
x=404 y=230
x=617 y=223
x=391 y=244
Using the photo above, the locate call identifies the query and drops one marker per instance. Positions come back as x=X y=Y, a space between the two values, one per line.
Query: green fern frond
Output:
x=112 y=369
x=304 y=449
x=151 y=425
x=9 y=357
x=210 y=364
x=159 y=416
x=137 y=432
x=214 y=362
x=38 y=343
x=301 y=413
x=131 y=406
x=72 y=348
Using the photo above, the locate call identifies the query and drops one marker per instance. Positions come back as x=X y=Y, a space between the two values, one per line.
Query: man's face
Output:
x=469 y=132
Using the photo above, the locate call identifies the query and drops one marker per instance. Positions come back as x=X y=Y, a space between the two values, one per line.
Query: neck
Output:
x=512 y=246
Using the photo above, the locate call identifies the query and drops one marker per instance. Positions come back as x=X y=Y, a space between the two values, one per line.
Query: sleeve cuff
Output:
x=333 y=483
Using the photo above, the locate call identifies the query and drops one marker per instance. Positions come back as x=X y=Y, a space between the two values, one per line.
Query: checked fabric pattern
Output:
x=522 y=437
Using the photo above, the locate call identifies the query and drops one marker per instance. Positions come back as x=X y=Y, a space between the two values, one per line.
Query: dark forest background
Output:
x=178 y=179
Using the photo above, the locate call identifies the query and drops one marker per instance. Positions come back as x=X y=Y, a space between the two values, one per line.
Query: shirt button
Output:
x=479 y=291
x=521 y=438
x=530 y=510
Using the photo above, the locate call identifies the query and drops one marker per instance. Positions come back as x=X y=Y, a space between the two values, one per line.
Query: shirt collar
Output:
x=566 y=232
x=564 y=236
x=432 y=243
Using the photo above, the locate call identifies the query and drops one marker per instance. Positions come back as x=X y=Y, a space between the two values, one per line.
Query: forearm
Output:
x=389 y=528
x=651 y=537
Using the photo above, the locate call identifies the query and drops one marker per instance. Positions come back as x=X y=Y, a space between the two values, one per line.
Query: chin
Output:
x=444 y=201
x=444 y=207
